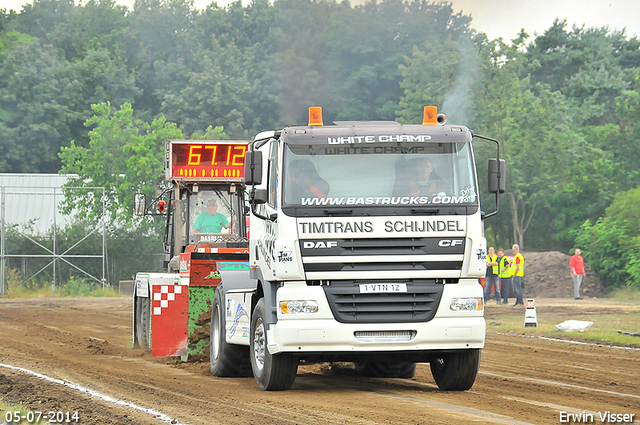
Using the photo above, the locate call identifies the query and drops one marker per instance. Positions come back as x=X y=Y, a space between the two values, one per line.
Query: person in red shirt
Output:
x=577 y=271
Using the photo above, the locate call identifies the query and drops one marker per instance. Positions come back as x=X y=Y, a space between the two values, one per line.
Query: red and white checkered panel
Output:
x=166 y=294
x=169 y=320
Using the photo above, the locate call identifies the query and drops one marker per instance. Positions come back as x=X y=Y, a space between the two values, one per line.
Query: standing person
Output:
x=577 y=272
x=491 y=276
x=518 y=273
x=504 y=267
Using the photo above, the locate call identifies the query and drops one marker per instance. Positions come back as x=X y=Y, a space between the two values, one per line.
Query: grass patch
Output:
x=15 y=287
x=625 y=294
x=605 y=327
x=22 y=292
x=14 y=414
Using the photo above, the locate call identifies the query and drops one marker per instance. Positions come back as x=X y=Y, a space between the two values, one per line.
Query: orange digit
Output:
x=214 y=148
x=229 y=153
x=194 y=158
x=243 y=150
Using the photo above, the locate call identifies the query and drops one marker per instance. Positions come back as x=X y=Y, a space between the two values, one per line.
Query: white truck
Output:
x=366 y=245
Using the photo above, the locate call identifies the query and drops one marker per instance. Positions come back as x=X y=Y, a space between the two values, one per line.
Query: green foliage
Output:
x=625 y=294
x=564 y=103
x=77 y=287
x=31 y=104
x=74 y=287
x=81 y=287
x=601 y=248
x=210 y=96
x=633 y=268
x=429 y=76
x=98 y=25
x=12 y=38
x=125 y=156
x=128 y=250
x=612 y=244
x=540 y=144
x=590 y=65
x=45 y=100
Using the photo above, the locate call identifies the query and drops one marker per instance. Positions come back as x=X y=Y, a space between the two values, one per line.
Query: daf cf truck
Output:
x=365 y=245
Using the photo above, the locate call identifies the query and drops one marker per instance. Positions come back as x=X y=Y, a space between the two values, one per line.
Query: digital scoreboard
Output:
x=205 y=160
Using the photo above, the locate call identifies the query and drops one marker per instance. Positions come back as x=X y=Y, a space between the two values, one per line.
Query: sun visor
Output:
x=375 y=133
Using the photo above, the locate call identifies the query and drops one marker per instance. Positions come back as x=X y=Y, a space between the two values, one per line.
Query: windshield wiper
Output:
x=338 y=211
x=427 y=211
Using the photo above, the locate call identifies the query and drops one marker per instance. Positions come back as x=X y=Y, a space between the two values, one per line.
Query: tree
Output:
x=612 y=244
x=442 y=75
x=535 y=128
x=160 y=33
x=45 y=100
x=125 y=156
x=96 y=25
x=12 y=38
x=217 y=89
x=40 y=18
x=327 y=53
x=5 y=18
x=619 y=137
x=591 y=66
x=33 y=115
x=94 y=79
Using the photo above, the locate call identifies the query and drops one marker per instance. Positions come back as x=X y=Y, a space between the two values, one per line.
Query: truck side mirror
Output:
x=497 y=176
x=140 y=204
x=253 y=168
x=260 y=196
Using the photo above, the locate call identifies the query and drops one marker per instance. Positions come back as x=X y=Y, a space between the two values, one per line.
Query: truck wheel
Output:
x=456 y=371
x=272 y=372
x=405 y=370
x=143 y=322
x=225 y=359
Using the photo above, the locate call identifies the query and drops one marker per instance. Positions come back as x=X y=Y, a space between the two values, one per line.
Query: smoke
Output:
x=458 y=101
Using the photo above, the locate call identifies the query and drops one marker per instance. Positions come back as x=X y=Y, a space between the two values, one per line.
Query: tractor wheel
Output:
x=143 y=322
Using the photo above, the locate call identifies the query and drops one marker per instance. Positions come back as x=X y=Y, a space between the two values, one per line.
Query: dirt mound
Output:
x=548 y=275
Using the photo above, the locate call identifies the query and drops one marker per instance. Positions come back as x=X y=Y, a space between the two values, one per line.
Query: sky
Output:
x=505 y=18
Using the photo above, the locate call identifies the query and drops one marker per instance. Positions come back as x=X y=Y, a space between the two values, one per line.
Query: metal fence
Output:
x=31 y=211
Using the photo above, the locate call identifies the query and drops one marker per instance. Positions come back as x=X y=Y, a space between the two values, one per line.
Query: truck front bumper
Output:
x=305 y=336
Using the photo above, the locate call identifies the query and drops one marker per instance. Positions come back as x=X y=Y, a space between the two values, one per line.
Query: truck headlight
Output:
x=298 y=306
x=466 y=304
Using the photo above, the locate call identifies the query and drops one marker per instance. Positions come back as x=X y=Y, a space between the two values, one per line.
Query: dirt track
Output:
x=522 y=379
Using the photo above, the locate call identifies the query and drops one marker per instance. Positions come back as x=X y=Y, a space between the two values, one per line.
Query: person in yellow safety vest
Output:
x=517 y=265
x=491 y=277
x=504 y=267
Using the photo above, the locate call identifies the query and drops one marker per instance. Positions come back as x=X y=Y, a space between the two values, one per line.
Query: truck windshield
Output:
x=392 y=175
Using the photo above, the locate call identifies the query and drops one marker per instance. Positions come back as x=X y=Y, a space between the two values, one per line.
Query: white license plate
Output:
x=370 y=288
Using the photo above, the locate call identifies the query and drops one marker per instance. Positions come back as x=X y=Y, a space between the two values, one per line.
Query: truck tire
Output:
x=456 y=371
x=272 y=372
x=225 y=359
x=405 y=370
x=143 y=322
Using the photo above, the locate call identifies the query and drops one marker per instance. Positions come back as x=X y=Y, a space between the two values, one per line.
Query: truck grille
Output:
x=400 y=254
x=349 y=305
x=385 y=336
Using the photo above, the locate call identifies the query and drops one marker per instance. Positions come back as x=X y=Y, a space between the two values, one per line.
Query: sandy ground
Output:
x=523 y=378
